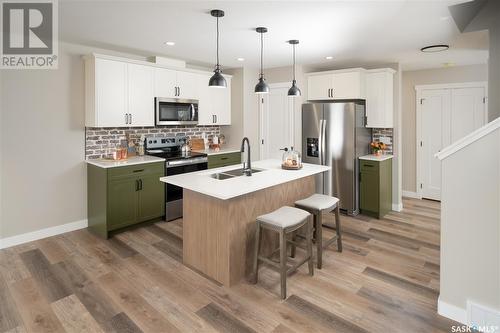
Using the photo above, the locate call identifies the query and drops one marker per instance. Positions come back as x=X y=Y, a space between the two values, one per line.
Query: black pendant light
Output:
x=294 y=90
x=261 y=87
x=217 y=80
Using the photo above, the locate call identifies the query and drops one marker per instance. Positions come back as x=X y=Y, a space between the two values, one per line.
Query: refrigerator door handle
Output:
x=323 y=143
x=320 y=141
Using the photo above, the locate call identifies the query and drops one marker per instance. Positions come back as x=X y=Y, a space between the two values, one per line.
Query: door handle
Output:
x=320 y=142
x=324 y=141
x=130 y=115
x=140 y=184
x=137 y=185
x=126 y=118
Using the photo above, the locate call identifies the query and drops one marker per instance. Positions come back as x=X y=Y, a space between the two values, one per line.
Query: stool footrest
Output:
x=297 y=265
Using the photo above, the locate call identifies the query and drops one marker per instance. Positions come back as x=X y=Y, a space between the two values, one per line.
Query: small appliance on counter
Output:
x=178 y=160
x=291 y=159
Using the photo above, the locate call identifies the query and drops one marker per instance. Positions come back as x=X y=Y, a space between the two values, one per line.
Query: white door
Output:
x=318 y=86
x=111 y=90
x=276 y=122
x=434 y=106
x=186 y=83
x=141 y=95
x=165 y=83
x=446 y=115
x=468 y=111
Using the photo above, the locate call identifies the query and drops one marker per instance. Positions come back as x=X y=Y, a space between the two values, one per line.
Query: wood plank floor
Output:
x=386 y=280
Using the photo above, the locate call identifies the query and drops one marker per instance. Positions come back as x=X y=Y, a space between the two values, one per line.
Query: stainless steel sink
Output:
x=239 y=172
x=231 y=174
x=221 y=176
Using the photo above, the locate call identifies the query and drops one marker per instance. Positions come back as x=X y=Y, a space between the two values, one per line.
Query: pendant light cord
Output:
x=261 y=54
x=294 y=62
x=217 y=66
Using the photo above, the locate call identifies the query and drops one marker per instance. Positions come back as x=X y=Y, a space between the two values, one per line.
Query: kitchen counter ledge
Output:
x=272 y=175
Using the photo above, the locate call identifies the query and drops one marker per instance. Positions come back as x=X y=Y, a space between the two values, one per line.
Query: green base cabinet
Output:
x=123 y=196
x=222 y=160
x=375 y=187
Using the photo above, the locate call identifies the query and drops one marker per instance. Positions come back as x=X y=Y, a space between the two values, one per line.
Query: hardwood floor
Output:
x=385 y=280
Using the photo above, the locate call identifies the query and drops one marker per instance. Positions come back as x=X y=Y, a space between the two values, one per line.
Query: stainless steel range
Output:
x=177 y=162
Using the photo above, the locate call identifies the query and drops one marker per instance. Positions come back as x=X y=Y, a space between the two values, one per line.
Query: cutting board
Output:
x=197 y=144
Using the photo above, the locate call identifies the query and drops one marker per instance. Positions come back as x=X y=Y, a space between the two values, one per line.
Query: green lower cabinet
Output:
x=123 y=196
x=375 y=187
x=222 y=160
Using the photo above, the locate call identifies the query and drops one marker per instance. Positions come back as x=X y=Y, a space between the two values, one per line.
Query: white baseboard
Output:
x=42 y=233
x=410 y=194
x=452 y=312
x=397 y=207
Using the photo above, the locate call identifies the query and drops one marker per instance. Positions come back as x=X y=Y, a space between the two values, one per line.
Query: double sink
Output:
x=232 y=173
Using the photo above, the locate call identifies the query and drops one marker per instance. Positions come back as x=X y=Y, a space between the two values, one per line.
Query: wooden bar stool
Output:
x=284 y=221
x=316 y=204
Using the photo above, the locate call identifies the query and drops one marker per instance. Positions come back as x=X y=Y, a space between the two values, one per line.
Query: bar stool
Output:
x=316 y=204
x=284 y=221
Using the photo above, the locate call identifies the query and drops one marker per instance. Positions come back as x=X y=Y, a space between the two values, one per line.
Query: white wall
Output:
x=42 y=142
x=409 y=120
x=470 y=225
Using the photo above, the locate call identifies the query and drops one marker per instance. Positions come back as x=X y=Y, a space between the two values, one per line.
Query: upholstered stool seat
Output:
x=317 y=204
x=285 y=220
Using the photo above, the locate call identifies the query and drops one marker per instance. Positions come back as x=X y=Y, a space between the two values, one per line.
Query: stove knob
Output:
x=150 y=141
x=155 y=141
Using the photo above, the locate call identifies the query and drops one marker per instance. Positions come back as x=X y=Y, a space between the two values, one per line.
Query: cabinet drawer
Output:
x=137 y=170
x=369 y=166
x=220 y=160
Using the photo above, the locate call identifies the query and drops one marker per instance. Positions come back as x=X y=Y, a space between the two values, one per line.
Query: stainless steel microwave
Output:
x=174 y=111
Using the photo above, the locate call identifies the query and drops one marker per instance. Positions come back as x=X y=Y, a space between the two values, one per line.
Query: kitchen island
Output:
x=219 y=211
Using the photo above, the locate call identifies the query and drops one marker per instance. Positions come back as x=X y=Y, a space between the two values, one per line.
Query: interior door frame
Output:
x=262 y=109
x=418 y=110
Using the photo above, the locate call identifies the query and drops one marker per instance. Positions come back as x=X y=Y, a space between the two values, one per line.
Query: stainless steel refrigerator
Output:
x=334 y=134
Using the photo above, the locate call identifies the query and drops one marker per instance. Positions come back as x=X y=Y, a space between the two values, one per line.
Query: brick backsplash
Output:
x=377 y=133
x=98 y=139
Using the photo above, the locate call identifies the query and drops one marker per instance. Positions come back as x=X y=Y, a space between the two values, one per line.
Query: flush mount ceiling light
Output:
x=261 y=87
x=169 y=43
x=217 y=80
x=294 y=90
x=435 y=48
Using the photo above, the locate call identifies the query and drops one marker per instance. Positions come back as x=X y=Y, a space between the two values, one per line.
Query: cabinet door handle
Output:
x=179 y=91
x=330 y=92
x=139 y=170
x=137 y=185
x=130 y=115
x=140 y=184
x=126 y=118
x=223 y=158
x=213 y=119
x=216 y=119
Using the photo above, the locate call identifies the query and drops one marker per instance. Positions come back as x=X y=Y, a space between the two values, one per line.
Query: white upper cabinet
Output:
x=106 y=100
x=140 y=95
x=331 y=85
x=379 y=98
x=175 y=84
x=120 y=92
x=214 y=106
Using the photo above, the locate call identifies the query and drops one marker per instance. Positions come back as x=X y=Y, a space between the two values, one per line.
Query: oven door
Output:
x=170 y=111
x=173 y=194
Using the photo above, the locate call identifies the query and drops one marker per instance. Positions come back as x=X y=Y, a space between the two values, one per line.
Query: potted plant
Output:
x=378 y=147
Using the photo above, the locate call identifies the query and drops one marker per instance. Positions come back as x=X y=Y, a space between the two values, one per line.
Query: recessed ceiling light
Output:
x=169 y=43
x=240 y=59
x=328 y=57
x=435 y=48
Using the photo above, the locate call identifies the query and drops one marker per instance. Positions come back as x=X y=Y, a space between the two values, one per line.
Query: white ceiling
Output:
x=349 y=31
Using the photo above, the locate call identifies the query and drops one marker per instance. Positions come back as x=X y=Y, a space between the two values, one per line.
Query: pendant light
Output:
x=294 y=90
x=217 y=80
x=261 y=87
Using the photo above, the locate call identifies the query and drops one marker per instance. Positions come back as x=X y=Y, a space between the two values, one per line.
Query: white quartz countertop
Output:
x=224 y=150
x=379 y=158
x=102 y=163
x=201 y=182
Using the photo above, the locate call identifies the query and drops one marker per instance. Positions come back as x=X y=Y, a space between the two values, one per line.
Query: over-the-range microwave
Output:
x=175 y=111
